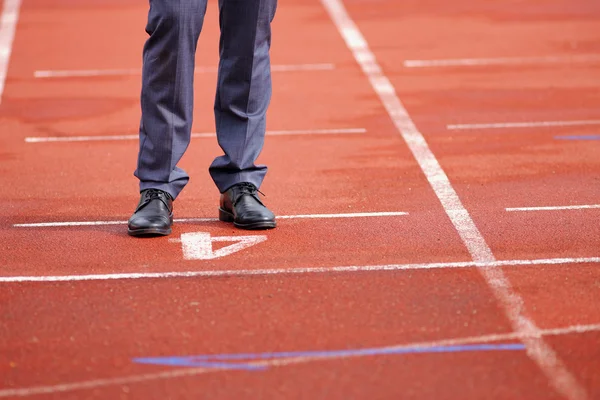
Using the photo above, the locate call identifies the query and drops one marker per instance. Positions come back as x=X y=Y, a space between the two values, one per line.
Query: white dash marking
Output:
x=193 y=220
x=303 y=67
x=182 y=372
x=500 y=61
x=558 y=375
x=301 y=271
x=317 y=132
x=8 y=26
x=103 y=138
x=530 y=124
x=555 y=208
x=99 y=138
x=350 y=215
x=83 y=73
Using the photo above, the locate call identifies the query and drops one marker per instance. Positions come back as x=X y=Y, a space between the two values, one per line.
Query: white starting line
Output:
x=194 y=220
x=102 y=138
x=300 y=271
x=523 y=124
x=503 y=61
x=59 y=224
x=82 y=73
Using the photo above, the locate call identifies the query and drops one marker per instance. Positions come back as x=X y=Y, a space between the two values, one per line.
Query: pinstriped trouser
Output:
x=242 y=98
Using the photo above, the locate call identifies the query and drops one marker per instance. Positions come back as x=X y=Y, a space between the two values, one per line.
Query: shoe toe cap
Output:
x=149 y=222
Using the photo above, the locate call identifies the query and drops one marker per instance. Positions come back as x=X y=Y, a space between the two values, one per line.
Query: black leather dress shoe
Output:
x=153 y=215
x=240 y=204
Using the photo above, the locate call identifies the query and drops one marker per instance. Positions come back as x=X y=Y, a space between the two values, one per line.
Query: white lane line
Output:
x=52 y=139
x=555 y=208
x=542 y=354
x=192 y=220
x=8 y=25
x=475 y=62
x=301 y=271
x=45 y=74
x=529 y=124
x=183 y=372
x=97 y=383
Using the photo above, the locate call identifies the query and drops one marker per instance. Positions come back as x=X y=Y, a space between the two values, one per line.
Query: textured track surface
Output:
x=530 y=70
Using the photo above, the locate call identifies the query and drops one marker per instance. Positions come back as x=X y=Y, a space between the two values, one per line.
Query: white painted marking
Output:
x=99 y=138
x=192 y=220
x=8 y=25
x=555 y=208
x=49 y=139
x=562 y=380
x=98 y=223
x=318 y=132
x=182 y=372
x=415 y=140
x=45 y=74
x=303 y=67
x=85 y=73
x=198 y=245
x=350 y=215
x=97 y=383
x=301 y=271
x=530 y=124
x=475 y=62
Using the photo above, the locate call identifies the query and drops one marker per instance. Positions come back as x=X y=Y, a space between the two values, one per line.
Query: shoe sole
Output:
x=149 y=232
x=226 y=216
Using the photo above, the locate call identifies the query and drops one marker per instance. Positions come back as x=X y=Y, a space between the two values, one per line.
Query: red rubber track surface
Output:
x=85 y=334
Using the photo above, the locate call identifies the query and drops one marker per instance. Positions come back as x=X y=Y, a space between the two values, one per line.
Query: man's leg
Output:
x=167 y=110
x=168 y=92
x=243 y=96
x=243 y=90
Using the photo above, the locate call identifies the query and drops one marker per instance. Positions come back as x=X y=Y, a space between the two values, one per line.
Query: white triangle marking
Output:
x=198 y=245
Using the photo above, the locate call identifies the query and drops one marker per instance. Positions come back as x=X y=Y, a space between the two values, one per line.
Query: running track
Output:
x=436 y=169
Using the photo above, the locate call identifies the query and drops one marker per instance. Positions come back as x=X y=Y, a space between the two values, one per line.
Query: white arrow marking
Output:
x=198 y=245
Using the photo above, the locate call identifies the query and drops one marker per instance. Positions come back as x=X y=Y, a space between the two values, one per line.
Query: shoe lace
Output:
x=152 y=194
x=249 y=188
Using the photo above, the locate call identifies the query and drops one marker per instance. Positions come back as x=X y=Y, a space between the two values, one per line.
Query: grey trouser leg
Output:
x=243 y=90
x=168 y=92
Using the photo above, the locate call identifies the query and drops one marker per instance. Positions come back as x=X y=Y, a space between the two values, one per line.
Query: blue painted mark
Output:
x=231 y=361
x=578 y=137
